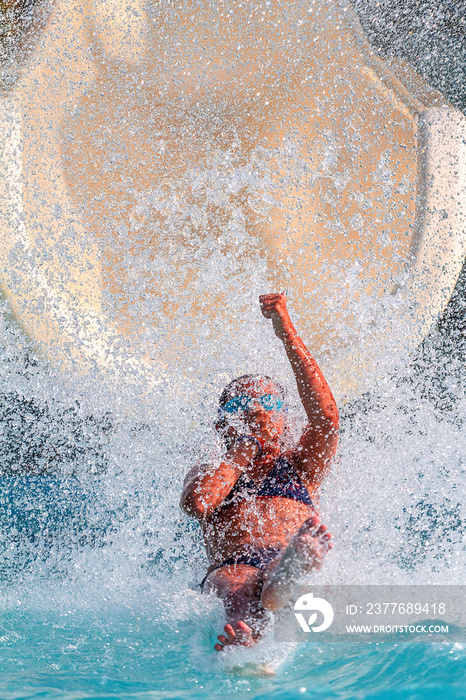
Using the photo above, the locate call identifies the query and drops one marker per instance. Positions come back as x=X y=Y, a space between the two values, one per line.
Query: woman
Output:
x=257 y=508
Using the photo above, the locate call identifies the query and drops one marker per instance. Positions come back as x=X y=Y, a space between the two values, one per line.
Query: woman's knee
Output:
x=228 y=581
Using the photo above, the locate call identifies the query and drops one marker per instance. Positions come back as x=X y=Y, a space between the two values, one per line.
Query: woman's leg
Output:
x=304 y=554
x=239 y=588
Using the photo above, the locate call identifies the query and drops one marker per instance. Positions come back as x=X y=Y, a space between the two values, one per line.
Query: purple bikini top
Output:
x=282 y=481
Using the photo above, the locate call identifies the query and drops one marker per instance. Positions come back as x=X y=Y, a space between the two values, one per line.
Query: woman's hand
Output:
x=273 y=306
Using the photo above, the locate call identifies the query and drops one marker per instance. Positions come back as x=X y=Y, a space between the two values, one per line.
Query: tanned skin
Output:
x=278 y=522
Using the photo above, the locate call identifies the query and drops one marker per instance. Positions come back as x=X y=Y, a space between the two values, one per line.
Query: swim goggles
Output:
x=270 y=402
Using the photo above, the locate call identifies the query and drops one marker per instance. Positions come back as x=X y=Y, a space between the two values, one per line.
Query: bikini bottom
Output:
x=258 y=558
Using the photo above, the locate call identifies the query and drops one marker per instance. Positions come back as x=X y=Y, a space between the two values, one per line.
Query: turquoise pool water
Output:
x=134 y=653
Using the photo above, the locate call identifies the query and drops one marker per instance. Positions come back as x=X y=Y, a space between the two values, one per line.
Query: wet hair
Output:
x=228 y=391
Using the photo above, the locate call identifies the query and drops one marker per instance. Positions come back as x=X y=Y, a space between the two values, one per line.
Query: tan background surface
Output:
x=164 y=156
